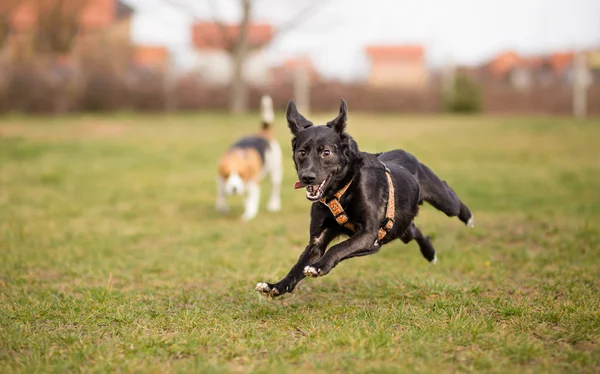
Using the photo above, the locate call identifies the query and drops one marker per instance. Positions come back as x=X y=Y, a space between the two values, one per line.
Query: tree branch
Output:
x=305 y=14
x=302 y=16
x=226 y=37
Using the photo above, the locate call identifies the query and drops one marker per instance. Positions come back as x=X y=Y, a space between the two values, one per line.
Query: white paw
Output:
x=434 y=261
x=471 y=222
x=264 y=289
x=310 y=271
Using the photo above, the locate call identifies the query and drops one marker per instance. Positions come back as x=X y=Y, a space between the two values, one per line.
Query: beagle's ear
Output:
x=338 y=124
x=296 y=121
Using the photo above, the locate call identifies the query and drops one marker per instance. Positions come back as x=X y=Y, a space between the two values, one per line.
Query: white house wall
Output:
x=215 y=66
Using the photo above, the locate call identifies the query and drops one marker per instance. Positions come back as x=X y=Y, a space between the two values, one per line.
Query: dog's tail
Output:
x=266 y=112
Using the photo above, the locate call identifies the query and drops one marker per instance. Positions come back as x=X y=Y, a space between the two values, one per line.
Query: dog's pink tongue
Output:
x=298 y=185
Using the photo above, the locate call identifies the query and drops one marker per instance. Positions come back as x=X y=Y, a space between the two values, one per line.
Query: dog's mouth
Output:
x=315 y=191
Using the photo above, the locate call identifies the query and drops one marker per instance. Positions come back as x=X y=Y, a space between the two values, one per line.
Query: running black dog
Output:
x=372 y=198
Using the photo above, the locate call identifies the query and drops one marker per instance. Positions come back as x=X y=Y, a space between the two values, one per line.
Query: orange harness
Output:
x=342 y=218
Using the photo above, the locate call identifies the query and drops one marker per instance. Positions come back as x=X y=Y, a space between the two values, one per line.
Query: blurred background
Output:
x=514 y=56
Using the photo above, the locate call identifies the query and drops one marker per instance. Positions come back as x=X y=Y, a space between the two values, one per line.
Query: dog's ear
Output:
x=296 y=122
x=338 y=124
x=349 y=147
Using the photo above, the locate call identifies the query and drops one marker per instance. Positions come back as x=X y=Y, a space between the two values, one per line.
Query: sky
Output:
x=335 y=33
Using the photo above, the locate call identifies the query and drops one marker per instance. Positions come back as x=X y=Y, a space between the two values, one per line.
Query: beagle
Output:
x=247 y=162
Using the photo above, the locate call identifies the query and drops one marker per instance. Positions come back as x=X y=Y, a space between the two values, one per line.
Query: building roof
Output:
x=292 y=63
x=150 y=55
x=503 y=63
x=285 y=71
x=396 y=52
x=506 y=61
x=96 y=14
x=23 y=17
x=562 y=60
x=208 y=35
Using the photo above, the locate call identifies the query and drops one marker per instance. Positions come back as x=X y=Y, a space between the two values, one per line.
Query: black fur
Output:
x=328 y=153
x=259 y=143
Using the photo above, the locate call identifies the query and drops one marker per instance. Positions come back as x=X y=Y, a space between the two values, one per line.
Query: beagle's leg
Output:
x=276 y=170
x=252 y=200
x=221 y=202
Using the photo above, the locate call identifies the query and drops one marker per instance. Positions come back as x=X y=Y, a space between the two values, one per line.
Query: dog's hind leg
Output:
x=427 y=250
x=437 y=193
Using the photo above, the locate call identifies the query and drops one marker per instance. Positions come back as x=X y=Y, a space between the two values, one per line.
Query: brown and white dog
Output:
x=247 y=162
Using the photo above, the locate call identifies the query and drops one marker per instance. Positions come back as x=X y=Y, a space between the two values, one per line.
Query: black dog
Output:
x=351 y=195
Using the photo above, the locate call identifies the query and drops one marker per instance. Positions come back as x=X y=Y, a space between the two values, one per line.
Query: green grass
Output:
x=113 y=259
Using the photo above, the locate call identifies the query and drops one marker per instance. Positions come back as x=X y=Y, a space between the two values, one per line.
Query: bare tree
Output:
x=238 y=44
x=57 y=25
x=7 y=8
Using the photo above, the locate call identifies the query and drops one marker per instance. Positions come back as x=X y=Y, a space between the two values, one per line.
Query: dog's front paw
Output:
x=311 y=271
x=267 y=290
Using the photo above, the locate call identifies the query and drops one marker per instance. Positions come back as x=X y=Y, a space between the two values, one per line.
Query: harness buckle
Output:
x=388 y=224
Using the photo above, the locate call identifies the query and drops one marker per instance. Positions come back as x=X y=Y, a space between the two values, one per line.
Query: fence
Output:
x=34 y=88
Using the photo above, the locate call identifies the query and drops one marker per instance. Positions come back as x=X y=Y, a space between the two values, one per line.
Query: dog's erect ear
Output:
x=296 y=122
x=338 y=124
x=349 y=147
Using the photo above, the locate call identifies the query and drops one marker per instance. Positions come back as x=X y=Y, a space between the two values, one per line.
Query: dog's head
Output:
x=324 y=156
x=237 y=167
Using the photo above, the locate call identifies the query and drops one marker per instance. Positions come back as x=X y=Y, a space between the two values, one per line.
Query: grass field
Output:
x=113 y=259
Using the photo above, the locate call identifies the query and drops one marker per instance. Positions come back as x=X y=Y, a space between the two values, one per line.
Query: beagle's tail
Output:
x=266 y=112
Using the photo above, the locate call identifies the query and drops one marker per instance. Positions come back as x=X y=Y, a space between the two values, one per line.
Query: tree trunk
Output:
x=302 y=89
x=581 y=82
x=238 y=99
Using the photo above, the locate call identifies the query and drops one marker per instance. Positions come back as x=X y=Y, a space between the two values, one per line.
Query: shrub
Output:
x=465 y=96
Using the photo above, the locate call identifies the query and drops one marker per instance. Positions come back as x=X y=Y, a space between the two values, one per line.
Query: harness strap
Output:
x=336 y=209
x=391 y=208
x=343 y=220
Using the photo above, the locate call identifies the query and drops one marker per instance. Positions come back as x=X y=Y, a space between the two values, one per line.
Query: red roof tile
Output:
x=560 y=61
x=292 y=63
x=503 y=63
x=396 y=52
x=96 y=14
x=507 y=61
x=146 y=55
x=208 y=35
x=285 y=71
x=23 y=17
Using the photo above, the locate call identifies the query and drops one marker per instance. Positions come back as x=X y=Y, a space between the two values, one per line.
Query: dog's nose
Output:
x=308 y=179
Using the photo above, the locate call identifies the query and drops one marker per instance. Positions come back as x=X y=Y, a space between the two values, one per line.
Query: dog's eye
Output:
x=326 y=153
x=302 y=154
